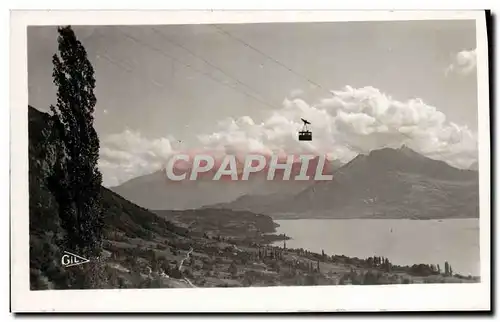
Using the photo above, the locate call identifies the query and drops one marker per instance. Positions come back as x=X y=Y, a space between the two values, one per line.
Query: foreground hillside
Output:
x=204 y=248
x=122 y=218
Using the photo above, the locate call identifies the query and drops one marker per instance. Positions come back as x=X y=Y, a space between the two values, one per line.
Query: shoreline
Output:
x=374 y=218
x=315 y=253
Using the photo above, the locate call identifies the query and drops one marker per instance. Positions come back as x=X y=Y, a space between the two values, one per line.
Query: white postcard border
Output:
x=425 y=297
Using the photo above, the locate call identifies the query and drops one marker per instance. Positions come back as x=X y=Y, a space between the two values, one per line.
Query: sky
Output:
x=162 y=89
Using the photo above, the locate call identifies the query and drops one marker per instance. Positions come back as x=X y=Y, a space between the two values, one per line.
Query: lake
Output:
x=403 y=242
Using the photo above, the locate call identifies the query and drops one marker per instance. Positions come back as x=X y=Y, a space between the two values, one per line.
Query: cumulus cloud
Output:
x=349 y=122
x=464 y=63
x=129 y=154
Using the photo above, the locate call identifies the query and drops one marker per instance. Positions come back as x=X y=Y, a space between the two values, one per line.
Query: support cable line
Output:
x=276 y=61
x=246 y=44
x=105 y=55
x=134 y=73
x=175 y=43
x=127 y=69
x=189 y=66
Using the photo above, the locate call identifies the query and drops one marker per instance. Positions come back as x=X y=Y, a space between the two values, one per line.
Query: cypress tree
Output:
x=76 y=180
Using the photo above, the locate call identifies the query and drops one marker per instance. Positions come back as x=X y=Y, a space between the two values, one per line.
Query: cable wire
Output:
x=189 y=66
x=246 y=44
x=175 y=43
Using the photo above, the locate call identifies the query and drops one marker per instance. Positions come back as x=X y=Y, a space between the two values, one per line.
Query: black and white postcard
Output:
x=171 y=161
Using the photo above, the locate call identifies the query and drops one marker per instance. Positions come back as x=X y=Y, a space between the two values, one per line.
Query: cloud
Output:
x=129 y=154
x=352 y=121
x=349 y=122
x=464 y=63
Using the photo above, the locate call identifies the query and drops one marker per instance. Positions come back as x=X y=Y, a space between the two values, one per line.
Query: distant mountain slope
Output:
x=261 y=204
x=237 y=224
x=387 y=183
x=155 y=191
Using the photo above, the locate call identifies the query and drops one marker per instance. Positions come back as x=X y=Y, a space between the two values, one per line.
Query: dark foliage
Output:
x=75 y=179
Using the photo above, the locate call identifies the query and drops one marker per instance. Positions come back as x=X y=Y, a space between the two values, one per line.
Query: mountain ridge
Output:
x=385 y=183
x=155 y=191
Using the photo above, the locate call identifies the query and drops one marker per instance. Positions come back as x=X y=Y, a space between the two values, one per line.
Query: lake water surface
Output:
x=404 y=242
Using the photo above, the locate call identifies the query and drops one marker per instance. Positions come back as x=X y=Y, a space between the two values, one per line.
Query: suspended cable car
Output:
x=305 y=134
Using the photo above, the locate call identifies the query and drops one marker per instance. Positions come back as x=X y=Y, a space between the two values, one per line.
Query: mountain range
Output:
x=155 y=191
x=386 y=183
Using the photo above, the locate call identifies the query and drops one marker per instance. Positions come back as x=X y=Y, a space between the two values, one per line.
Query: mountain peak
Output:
x=402 y=151
x=404 y=148
x=410 y=152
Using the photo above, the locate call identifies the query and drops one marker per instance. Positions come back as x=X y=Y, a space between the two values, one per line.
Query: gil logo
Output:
x=70 y=259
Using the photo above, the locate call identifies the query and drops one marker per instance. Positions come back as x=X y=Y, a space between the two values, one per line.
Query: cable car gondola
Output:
x=305 y=134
